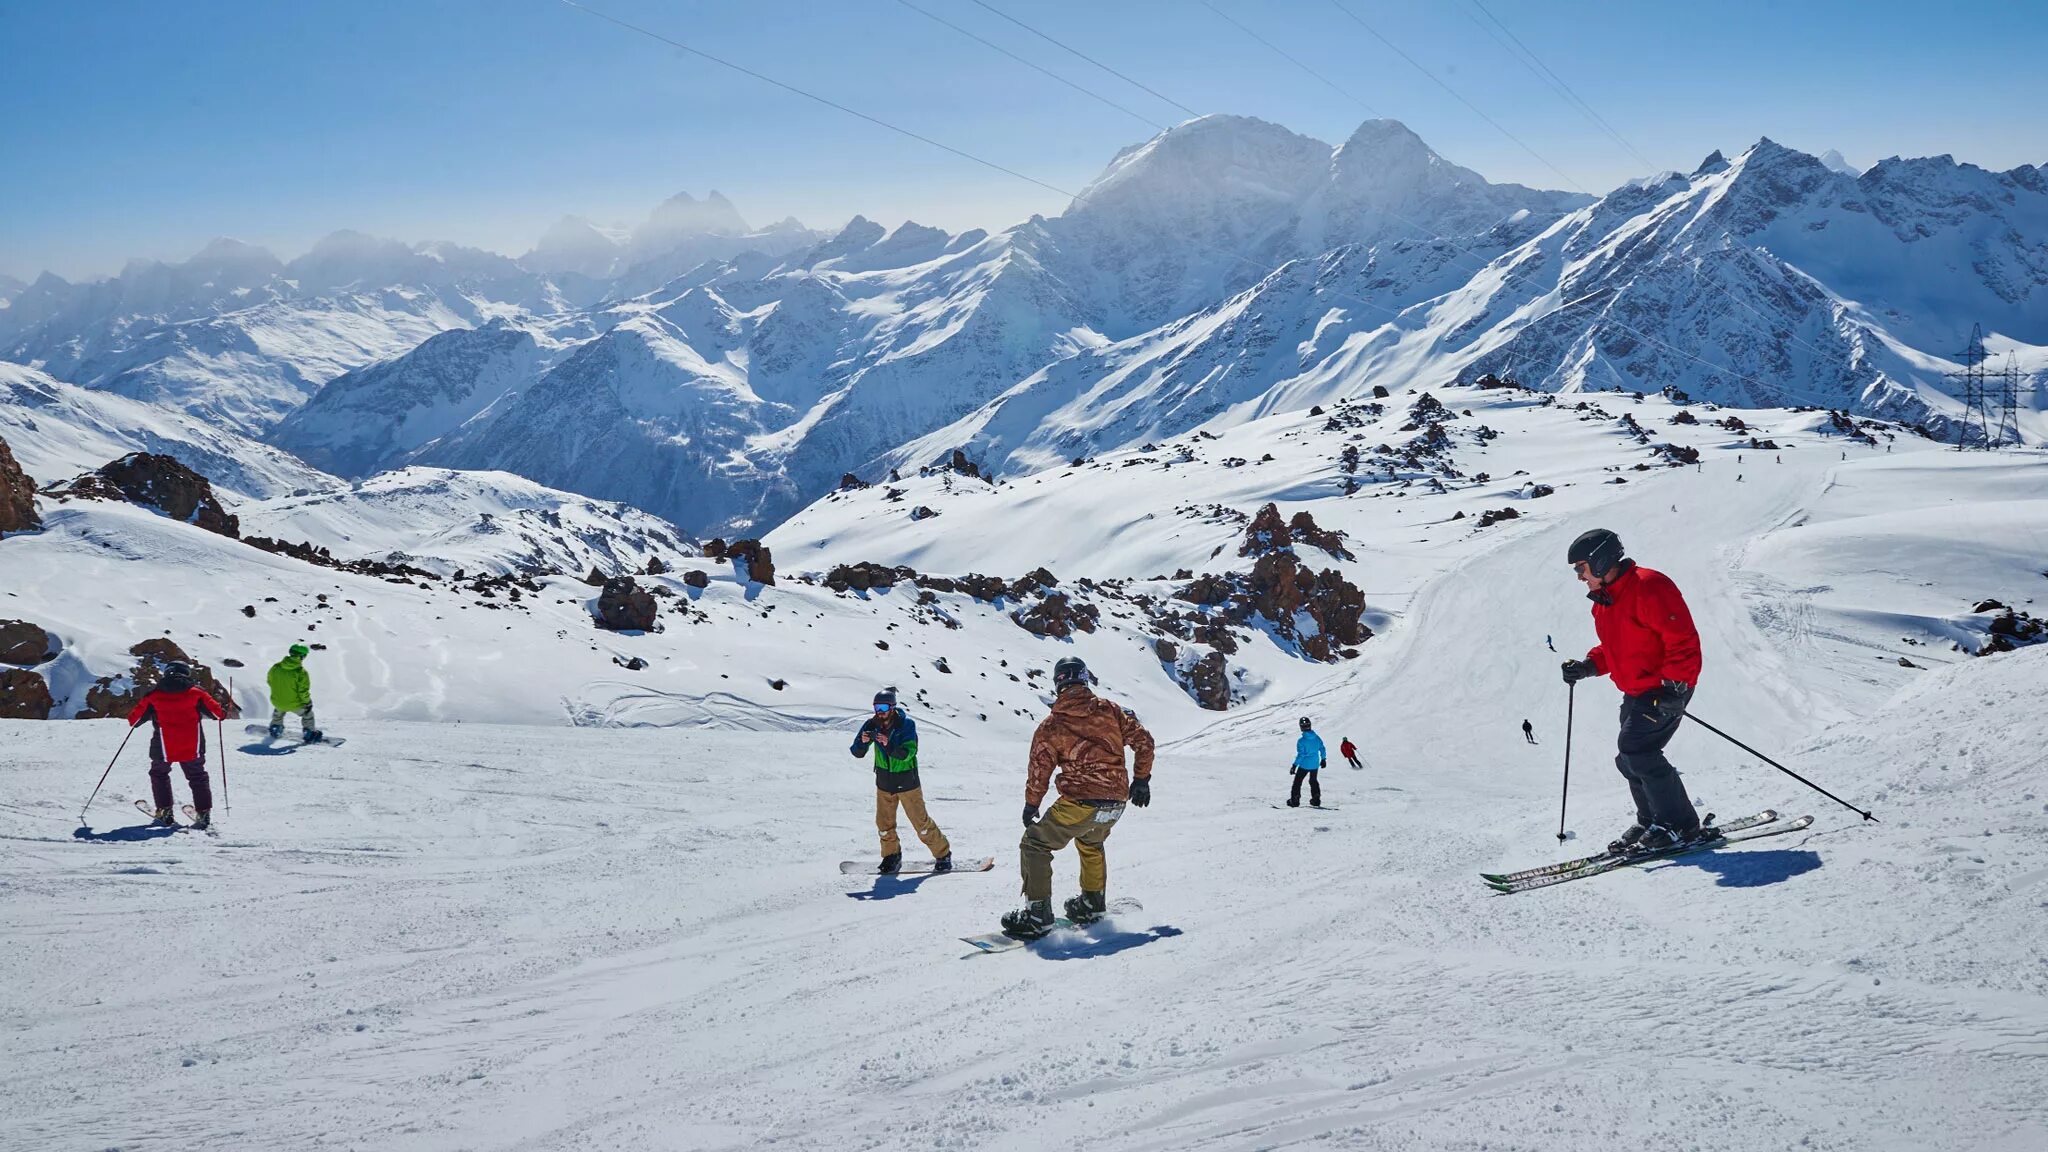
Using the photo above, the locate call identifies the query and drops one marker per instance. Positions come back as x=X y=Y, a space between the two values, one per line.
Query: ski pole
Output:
x=104 y=775
x=1571 y=695
x=1780 y=767
x=220 y=734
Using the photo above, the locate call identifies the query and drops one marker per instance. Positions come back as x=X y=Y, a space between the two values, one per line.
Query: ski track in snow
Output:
x=456 y=936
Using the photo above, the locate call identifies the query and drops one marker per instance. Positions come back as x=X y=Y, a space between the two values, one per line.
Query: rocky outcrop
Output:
x=624 y=606
x=864 y=575
x=1208 y=682
x=17 y=496
x=1058 y=616
x=752 y=561
x=24 y=695
x=1283 y=590
x=696 y=578
x=112 y=696
x=24 y=643
x=156 y=482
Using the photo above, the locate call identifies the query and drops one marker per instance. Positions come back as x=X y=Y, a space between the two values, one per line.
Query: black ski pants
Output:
x=1315 y=787
x=1652 y=780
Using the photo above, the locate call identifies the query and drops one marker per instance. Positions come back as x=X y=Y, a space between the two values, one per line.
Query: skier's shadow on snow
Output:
x=134 y=833
x=1752 y=869
x=890 y=887
x=260 y=748
x=1083 y=945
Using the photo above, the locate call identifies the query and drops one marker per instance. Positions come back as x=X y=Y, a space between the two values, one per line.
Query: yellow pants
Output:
x=921 y=823
x=1087 y=827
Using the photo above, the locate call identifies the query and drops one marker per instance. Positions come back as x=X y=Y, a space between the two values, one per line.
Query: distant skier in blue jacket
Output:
x=1309 y=761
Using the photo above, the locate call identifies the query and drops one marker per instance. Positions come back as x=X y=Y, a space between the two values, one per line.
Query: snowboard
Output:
x=992 y=942
x=263 y=730
x=913 y=868
x=1311 y=807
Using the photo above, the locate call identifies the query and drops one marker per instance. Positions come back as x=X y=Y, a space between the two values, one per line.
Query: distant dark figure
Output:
x=1528 y=732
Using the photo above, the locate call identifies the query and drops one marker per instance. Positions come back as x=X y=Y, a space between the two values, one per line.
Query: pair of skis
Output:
x=1755 y=827
x=191 y=814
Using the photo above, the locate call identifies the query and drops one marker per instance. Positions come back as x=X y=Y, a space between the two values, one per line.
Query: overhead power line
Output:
x=1090 y=59
x=1542 y=71
x=1283 y=54
x=1455 y=94
x=1028 y=64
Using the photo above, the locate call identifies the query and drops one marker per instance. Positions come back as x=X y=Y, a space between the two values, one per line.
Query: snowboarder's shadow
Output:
x=1752 y=869
x=890 y=887
x=133 y=833
x=1084 y=943
x=264 y=748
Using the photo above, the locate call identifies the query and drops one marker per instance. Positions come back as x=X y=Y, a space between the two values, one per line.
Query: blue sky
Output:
x=132 y=129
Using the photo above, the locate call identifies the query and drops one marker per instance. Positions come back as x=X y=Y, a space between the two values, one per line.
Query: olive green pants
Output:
x=912 y=803
x=1087 y=827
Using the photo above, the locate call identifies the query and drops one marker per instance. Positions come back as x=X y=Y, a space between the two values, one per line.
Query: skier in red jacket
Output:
x=1648 y=645
x=174 y=706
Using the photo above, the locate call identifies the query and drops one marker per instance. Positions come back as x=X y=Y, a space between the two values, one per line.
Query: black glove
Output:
x=1670 y=700
x=1030 y=815
x=1141 y=792
x=1577 y=670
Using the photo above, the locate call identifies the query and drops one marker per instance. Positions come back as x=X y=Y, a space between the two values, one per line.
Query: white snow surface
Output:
x=513 y=913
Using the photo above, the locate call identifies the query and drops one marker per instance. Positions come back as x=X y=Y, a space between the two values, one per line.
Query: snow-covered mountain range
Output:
x=724 y=376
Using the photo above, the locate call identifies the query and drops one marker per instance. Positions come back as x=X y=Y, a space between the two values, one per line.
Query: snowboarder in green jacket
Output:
x=291 y=690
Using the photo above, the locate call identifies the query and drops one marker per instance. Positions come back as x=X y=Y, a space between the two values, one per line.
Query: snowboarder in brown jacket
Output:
x=1084 y=739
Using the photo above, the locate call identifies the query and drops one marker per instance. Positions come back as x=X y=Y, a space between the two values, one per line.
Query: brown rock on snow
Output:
x=17 y=495
x=24 y=643
x=1209 y=682
x=625 y=607
x=157 y=482
x=109 y=698
x=24 y=695
x=758 y=561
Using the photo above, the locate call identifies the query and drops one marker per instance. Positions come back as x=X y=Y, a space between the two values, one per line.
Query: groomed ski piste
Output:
x=464 y=932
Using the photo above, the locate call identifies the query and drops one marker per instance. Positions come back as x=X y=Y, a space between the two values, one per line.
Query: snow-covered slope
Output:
x=444 y=520
x=535 y=975
x=59 y=430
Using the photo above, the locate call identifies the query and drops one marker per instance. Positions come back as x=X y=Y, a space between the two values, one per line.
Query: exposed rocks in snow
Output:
x=1058 y=616
x=1268 y=533
x=625 y=607
x=1208 y=682
x=1284 y=591
x=752 y=561
x=922 y=512
x=1679 y=455
x=318 y=554
x=17 y=496
x=24 y=643
x=1492 y=516
x=2011 y=629
x=861 y=576
x=115 y=696
x=697 y=578
x=655 y=566
x=24 y=695
x=851 y=483
x=630 y=664
x=156 y=482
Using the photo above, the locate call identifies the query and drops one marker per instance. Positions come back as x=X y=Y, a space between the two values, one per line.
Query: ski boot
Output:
x=1030 y=922
x=942 y=864
x=162 y=818
x=1625 y=843
x=311 y=736
x=1658 y=838
x=1294 y=801
x=1087 y=908
x=201 y=821
x=891 y=864
x=277 y=731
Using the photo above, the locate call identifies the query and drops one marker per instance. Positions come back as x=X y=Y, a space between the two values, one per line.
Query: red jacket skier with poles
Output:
x=175 y=706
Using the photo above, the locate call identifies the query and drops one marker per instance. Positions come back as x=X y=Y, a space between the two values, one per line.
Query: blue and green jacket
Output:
x=895 y=749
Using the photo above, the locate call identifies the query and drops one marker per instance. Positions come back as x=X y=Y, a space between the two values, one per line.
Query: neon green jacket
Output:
x=290 y=688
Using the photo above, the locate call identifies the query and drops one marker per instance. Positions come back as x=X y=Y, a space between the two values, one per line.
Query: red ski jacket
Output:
x=177 y=720
x=1347 y=748
x=1646 y=632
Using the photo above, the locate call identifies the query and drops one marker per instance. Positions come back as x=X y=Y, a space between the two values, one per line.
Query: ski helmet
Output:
x=301 y=651
x=886 y=696
x=1598 y=548
x=1305 y=724
x=1070 y=670
x=177 y=677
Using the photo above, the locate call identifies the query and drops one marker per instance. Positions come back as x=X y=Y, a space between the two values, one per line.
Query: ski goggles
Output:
x=881 y=708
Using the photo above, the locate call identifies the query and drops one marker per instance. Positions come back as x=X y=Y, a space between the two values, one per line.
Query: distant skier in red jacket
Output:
x=1649 y=646
x=175 y=706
